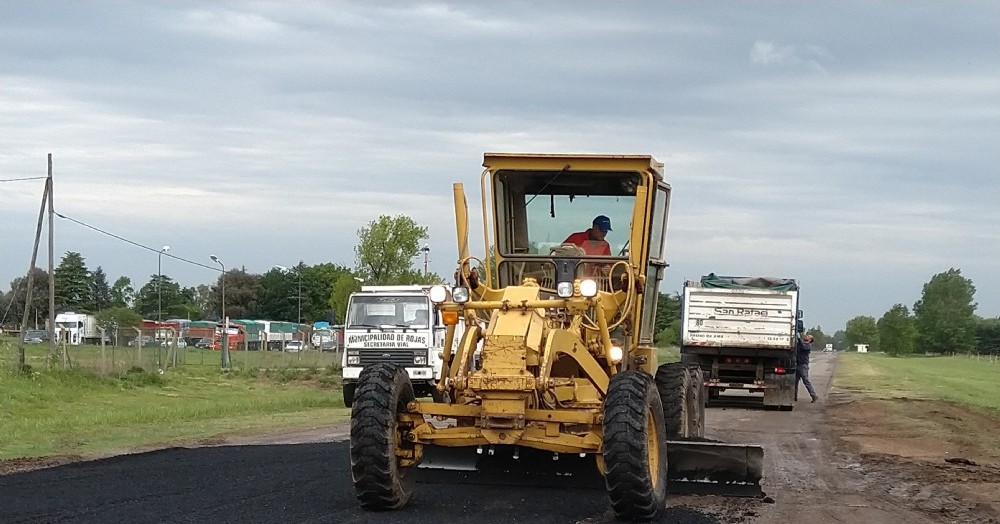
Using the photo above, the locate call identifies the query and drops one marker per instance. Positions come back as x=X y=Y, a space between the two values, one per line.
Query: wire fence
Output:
x=126 y=349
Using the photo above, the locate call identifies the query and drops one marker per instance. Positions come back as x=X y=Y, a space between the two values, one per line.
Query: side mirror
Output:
x=800 y=326
x=798 y=314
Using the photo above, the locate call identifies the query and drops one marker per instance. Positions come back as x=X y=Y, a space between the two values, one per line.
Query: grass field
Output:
x=104 y=404
x=971 y=381
x=51 y=411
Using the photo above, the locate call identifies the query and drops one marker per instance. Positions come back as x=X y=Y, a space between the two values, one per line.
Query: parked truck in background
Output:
x=77 y=328
x=395 y=324
x=743 y=333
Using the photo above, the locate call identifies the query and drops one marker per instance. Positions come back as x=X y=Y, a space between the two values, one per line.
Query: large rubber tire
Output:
x=697 y=398
x=380 y=483
x=673 y=384
x=635 y=447
x=349 y=388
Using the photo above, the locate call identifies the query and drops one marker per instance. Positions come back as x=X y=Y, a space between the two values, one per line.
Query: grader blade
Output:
x=507 y=466
x=693 y=467
x=714 y=468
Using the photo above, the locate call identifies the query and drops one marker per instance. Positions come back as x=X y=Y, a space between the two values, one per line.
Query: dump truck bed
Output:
x=739 y=318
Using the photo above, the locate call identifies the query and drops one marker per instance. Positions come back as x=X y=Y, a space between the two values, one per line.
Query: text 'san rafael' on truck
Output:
x=743 y=332
x=395 y=324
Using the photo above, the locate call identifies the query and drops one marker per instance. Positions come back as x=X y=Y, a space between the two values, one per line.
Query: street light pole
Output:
x=225 y=320
x=426 y=249
x=159 y=284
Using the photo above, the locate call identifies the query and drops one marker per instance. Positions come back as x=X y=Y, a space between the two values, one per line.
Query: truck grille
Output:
x=395 y=356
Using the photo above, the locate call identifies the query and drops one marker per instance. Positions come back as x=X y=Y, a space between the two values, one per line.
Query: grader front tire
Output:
x=635 y=447
x=380 y=483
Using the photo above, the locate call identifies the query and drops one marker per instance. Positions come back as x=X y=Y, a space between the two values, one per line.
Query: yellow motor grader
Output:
x=557 y=352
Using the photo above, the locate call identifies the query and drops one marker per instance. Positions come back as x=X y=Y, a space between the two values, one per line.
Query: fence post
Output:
x=104 y=360
x=138 y=346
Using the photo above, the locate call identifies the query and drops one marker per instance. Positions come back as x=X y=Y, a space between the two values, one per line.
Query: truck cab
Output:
x=395 y=324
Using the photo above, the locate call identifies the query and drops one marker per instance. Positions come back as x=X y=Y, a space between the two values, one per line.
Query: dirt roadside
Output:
x=842 y=460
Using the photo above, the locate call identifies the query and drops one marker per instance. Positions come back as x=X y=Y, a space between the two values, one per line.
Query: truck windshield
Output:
x=383 y=310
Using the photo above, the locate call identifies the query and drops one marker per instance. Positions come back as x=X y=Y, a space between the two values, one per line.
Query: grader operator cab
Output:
x=567 y=363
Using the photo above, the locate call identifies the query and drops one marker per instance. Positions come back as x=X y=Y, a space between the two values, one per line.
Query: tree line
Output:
x=943 y=321
x=386 y=253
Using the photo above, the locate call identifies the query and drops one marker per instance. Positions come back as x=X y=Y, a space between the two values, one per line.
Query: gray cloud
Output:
x=813 y=141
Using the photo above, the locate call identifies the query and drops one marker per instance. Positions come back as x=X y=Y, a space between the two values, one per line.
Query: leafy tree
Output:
x=862 y=330
x=100 y=290
x=387 y=248
x=158 y=297
x=318 y=283
x=243 y=292
x=115 y=319
x=73 y=284
x=342 y=290
x=38 y=309
x=122 y=293
x=667 y=324
x=896 y=331
x=988 y=337
x=945 y=315
x=840 y=340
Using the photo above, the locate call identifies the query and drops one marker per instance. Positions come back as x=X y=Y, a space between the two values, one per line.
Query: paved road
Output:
x=305 y=477
x=275 y=483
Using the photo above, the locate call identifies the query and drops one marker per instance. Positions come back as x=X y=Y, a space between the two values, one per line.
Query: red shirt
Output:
x=591 y=247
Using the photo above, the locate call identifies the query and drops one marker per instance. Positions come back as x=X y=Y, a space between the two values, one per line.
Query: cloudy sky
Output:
x=854 y=146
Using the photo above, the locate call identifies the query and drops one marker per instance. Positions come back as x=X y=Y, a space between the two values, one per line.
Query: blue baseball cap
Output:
x=603 y=223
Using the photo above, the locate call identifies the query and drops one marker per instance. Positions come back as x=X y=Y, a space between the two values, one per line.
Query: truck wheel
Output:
x=635 y=447
x=697 y=400
x=349 y=388
x=380 y=483
x=673 y=384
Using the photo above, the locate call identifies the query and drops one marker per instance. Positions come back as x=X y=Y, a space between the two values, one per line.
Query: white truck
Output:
x=743 y=332
x=77 y=328
x=395 y=324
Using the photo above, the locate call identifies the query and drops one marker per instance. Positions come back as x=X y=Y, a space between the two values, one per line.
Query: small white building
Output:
x=862 y=348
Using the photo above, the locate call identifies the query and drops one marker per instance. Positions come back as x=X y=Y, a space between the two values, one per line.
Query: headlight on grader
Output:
x=616 y=354
x=564 y=289
x=460 y=294
x=438 y=294
x=588 y=288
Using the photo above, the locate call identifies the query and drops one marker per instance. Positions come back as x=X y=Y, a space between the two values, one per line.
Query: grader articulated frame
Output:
x=557 y=353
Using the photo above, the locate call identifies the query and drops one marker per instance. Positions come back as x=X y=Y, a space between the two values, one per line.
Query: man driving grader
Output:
x=552 y=357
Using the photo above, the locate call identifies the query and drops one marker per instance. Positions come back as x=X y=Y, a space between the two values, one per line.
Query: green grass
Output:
x=965 y=380
x=48 y=411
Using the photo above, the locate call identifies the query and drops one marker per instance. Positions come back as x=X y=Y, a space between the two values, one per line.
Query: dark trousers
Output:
x=802 y=373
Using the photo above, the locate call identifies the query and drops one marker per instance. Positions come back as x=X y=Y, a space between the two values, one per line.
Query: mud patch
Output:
x=940 y=458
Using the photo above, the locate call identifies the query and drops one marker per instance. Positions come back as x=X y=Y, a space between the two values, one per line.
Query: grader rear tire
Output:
x=635 y=447
x=380 y=483
x=673 y=384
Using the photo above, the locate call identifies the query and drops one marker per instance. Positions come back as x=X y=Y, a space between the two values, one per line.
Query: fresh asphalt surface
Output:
x=281 y=484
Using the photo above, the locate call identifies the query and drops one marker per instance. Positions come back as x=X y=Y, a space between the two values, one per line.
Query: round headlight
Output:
x=438 y=294
x=588 y=288
x=460 y=294
x=616 y=354
x=564 y=289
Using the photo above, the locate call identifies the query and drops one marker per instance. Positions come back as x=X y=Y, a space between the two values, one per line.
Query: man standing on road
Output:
x=802 y=367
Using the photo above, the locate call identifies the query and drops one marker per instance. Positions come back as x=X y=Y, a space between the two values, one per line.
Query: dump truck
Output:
x=743 y=333
x=567 y=364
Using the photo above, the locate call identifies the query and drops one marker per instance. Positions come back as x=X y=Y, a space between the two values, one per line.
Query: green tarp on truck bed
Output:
x=777 y=284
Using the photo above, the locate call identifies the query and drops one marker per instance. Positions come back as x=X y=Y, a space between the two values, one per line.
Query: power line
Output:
x=20 y=179
x=137 y=244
